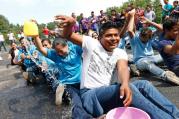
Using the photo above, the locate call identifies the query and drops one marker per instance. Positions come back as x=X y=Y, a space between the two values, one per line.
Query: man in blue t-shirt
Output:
x=66 y=71
x=169 y=45
x=143 y=54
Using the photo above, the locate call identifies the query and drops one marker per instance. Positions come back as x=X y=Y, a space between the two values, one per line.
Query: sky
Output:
x=17 y=11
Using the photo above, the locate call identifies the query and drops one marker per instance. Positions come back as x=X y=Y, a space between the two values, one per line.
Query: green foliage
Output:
x=4 y=24
x=158 y=10
x=6 y=27
x=51 y=25
x=141 y=4
x=108 y=10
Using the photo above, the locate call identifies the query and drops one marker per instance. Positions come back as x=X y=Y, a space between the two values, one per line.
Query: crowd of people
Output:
x=88 y=67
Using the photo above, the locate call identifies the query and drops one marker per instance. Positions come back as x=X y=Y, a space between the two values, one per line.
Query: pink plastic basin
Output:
x=127 y=113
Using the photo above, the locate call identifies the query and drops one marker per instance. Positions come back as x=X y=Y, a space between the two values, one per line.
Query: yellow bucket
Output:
x=30 y=28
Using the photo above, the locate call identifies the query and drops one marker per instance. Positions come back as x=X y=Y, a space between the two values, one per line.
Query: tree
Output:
x=140 y=3
x=108 y=10
x=51 y=25
x=158 y=10
x=4 y=24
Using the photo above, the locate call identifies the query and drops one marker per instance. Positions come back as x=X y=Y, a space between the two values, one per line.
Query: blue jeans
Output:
x=149 y=99
x=51 y=76
x=146 y=97
x=148 y=63
x=100 y=100
x=78 y=112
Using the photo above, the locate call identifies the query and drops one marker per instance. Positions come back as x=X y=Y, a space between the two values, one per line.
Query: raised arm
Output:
x=131 y=23
x=158 y=26
x=124 y=28
x=39 y=46
x=67 y=24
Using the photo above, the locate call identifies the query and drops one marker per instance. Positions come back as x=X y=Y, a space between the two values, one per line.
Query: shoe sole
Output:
x=60 y=90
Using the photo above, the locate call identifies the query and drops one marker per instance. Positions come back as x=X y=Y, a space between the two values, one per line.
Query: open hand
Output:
x=125 y=92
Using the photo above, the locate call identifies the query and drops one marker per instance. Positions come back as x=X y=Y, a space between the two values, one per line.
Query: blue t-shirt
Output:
x=70 y=65
x=139 y=49
x=41 y=58
x=123 y=41
x=170 y=60
x=27 y=52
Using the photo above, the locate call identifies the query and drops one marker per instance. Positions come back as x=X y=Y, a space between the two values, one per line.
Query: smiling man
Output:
x=102 y=62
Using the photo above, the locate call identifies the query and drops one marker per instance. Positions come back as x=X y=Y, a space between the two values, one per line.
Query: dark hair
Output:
x=120 y=23
x=113 y=10
x=169 y=24
x=13 y=43
x=21 y=39
x=146 y=31
x=43 y=40
x=106 y=26
x=59 y=41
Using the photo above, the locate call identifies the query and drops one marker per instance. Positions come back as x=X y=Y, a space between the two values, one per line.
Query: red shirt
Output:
x=46 y=31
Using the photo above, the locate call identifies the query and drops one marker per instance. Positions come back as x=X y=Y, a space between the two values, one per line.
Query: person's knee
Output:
x=143 y=63
x=87 y=96
x=141 y=83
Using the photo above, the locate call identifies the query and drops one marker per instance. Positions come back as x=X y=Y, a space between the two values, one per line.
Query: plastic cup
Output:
x=127 y=113
x=30 y=28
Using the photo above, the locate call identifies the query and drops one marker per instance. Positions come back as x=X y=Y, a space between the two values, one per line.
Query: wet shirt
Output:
x=28 y=52
x=70 y=65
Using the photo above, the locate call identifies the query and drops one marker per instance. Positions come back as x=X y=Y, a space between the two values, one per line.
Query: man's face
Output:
x=92 y=13
x=173 y=32
x=23 y=43
x=113 y=13
x=175 y=3
x=46 y=44
x=61 y=50
x=166 y=1
x=14 y=46
x=145 y=38
x=110 y=39
x=148 y=9
x=101 y=12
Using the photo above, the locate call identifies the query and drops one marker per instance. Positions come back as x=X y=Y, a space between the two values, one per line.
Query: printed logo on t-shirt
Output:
x=101 y=65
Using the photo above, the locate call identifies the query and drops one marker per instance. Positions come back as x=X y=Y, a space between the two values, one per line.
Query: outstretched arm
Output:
x=67 y=24
x=145 y=20
x=131 y=23
x=39 y=46
x=124 y=28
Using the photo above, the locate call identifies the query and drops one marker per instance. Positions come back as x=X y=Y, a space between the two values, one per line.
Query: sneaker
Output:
x=171 y=77
x=59 y=94
x=25 y=75
x=134 y=70
x=1 y=58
